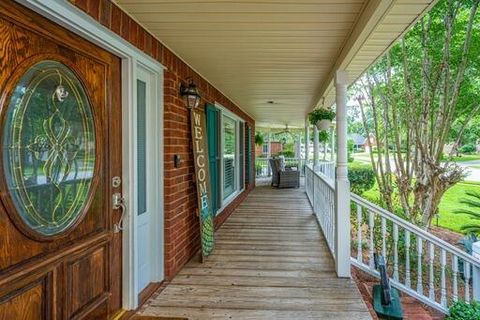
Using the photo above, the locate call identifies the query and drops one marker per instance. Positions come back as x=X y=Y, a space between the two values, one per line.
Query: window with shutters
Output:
x=230 y=153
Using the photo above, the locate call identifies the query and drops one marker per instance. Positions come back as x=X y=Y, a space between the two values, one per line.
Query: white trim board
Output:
x=77 y=21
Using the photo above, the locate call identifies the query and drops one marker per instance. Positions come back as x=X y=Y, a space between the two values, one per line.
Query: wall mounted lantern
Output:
x=190 y=94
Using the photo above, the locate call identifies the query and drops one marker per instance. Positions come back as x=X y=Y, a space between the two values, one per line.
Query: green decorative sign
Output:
x=202 y=174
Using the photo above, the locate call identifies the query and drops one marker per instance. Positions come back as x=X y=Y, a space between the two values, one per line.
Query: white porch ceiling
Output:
x=284 y=51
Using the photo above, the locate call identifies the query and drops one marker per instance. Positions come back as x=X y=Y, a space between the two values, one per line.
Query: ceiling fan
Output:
x=284 y=131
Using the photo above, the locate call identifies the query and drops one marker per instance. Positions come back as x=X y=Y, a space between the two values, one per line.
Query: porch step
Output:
x=412 y=308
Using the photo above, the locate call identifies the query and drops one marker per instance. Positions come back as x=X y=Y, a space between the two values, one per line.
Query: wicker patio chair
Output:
x=286 y=178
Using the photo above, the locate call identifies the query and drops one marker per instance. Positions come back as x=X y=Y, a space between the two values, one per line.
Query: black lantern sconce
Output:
x=190 y=94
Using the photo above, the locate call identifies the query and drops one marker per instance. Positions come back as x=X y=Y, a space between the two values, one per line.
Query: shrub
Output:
x=461 y=310
x=350 y=146
x=362 y=178
x=468 y=148
x=473 y=210
x=286 y=153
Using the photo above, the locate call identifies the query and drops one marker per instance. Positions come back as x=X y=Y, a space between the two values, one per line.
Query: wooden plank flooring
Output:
x=270 y=262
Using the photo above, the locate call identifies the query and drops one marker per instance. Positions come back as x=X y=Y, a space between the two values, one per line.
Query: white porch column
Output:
x=316 y=148
x=307 y=141
x=476 y=272
x=342 y=185
x=298 y=147
x=332 y=143
x=269 y=153
x=269 y=146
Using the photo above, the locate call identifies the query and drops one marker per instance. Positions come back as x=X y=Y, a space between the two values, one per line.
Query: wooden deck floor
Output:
x=270 y=262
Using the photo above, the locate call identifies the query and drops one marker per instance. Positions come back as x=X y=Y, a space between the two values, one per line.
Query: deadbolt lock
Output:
x=116 y=182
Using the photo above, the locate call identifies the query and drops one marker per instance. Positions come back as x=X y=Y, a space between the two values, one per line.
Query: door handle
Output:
x=118 y=202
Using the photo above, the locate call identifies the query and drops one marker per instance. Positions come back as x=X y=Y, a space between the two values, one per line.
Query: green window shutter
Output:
x=213 y=134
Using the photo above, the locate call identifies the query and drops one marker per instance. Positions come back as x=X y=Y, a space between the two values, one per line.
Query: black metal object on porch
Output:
x=386 y=300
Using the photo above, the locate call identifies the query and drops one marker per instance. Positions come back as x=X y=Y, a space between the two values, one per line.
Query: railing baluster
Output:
x=408 y=281
x=419 y=267
x=466 y=272
x=431 y=257
x=371 y=222
x=440 y=294
x=384 y=241
x=443 y=282
x=359 y=233
x=455 y=278
x=395 y=252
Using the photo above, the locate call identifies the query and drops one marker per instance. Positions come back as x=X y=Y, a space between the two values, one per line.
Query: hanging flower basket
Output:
x=322 y=118
x=323 y=124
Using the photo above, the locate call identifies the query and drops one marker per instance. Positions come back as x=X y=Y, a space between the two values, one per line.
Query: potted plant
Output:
x=259 y=141
x=322 y=118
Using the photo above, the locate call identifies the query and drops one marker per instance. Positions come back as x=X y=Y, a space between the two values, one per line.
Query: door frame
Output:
x=153 y=183
x=75 y=20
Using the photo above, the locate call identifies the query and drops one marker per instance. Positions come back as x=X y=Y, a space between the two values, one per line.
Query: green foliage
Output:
x=320 y=114
x=362 y=178
x=259 y=140
x=462 y=157
x=468 y=148
x=472 y=209
x=461 y=310
x=323 y=136
x=433 y=70
x=350 y=147
x=287 y=153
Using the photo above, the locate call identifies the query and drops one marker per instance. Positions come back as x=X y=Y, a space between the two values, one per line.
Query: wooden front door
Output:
x=60 y=126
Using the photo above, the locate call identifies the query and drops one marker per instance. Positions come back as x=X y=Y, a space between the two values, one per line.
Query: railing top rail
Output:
x=415 y=229
x=329 y=182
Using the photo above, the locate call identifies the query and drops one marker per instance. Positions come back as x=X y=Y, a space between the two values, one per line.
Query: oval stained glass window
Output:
x=49 y=147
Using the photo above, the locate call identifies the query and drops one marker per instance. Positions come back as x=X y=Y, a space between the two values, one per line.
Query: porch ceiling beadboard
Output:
x=276 y=50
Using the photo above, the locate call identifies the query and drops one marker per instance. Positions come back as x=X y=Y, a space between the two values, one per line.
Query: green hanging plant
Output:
x=320 y=114
x=259 y=141
x=323 y=136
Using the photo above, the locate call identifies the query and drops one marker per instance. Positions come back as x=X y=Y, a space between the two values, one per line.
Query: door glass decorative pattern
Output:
x=49 y=147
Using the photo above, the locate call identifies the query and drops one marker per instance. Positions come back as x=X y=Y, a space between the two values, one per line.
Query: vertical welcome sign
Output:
x=202 y=175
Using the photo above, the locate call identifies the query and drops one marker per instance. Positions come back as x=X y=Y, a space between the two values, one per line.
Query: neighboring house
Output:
x=262 y=151
x=358 y=140
x=371 y=142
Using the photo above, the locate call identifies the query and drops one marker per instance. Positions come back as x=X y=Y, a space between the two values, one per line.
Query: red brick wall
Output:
x=181 y=222
x=275 y=147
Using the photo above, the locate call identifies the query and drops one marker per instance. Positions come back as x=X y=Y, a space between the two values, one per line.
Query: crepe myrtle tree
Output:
x=411 y=97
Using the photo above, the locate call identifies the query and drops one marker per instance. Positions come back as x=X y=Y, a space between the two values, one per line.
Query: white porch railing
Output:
x=262 y=167
x=419 y=263
x=320 y=189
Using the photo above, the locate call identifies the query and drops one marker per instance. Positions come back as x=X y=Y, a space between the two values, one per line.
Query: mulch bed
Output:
x=413 y=309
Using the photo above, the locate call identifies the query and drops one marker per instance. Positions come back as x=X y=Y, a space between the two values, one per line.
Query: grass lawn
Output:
x=466 y=157
x=450 y=202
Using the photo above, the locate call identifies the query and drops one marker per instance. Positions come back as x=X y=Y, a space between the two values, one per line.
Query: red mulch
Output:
x=412 y=308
